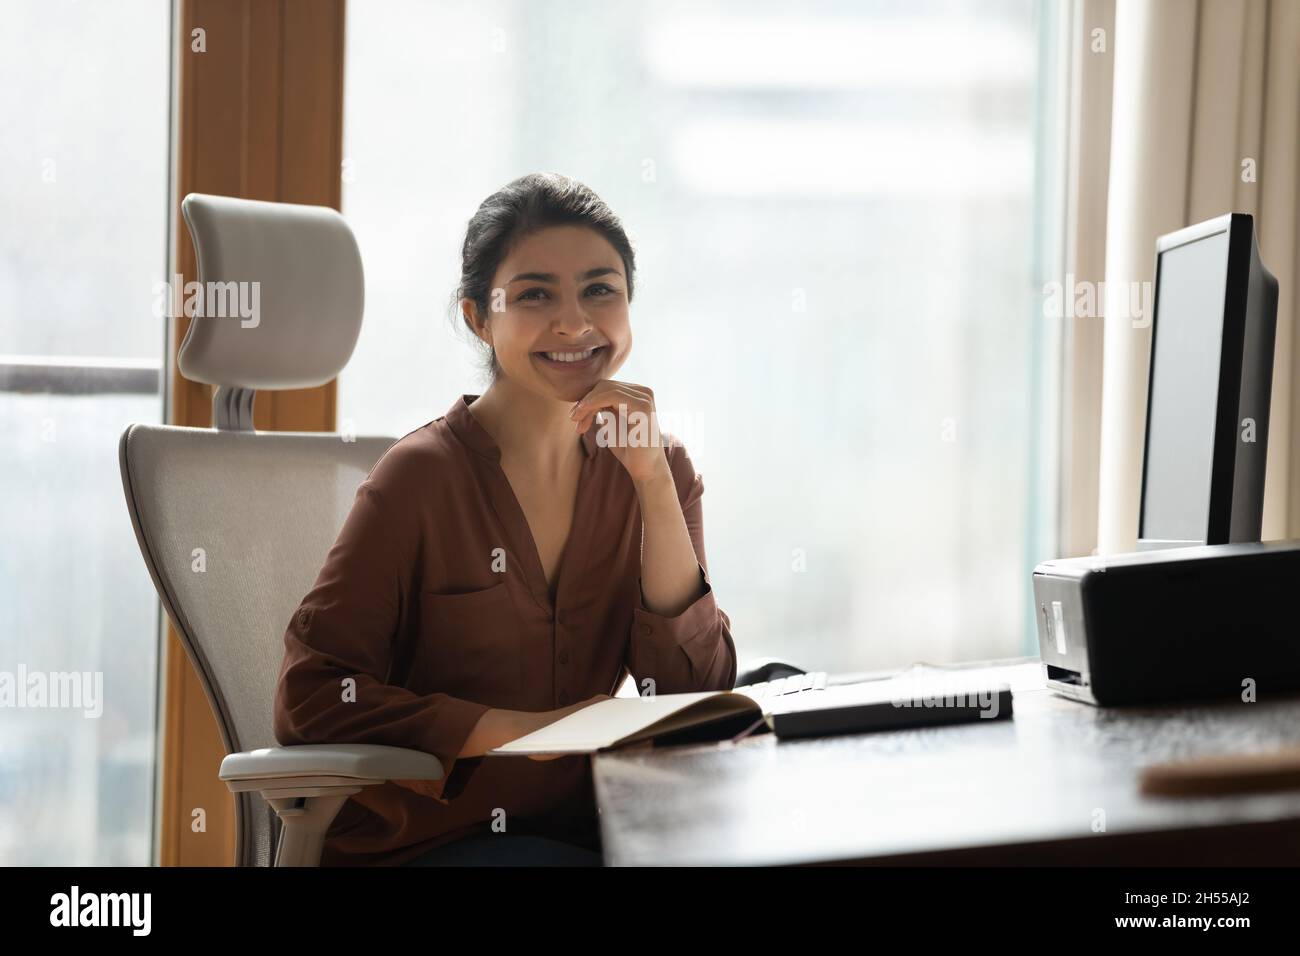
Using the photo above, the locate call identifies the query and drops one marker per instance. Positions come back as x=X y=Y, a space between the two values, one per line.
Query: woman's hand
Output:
x=551 y=716
x=632 y=419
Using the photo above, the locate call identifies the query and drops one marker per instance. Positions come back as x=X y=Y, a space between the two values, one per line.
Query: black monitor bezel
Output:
x=1241 y=233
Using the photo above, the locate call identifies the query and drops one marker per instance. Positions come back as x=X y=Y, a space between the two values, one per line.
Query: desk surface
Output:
x=1026 y=789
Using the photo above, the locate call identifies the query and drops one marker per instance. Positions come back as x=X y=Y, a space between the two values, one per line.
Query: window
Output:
x=84 y=185
x=838 y=211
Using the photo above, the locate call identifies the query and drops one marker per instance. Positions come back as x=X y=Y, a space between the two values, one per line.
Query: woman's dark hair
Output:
x=513 y=212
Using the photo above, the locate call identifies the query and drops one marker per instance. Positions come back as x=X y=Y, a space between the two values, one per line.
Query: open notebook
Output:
x=623 y=721
x=721 y=715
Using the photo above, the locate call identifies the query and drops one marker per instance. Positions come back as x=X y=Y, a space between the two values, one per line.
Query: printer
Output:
x=1201 y=622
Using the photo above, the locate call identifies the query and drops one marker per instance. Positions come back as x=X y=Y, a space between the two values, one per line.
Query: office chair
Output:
x=235 y=524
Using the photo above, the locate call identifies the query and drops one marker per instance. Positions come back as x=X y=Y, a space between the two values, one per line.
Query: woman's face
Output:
x=558 y=312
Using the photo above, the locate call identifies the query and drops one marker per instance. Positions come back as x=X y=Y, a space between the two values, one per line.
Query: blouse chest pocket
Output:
x=471 y=645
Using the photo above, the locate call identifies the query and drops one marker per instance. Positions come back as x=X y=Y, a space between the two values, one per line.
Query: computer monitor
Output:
x=1215 y=311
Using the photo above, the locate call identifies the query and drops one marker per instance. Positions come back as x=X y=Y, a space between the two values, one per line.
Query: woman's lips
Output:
x=574 y=365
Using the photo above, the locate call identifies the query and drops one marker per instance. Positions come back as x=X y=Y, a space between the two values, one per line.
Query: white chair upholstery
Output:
x=234 y=524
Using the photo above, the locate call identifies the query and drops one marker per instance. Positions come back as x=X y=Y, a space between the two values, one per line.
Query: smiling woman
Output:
x=507 y=563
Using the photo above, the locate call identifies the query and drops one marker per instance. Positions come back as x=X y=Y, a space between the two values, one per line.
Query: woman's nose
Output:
x=572 y=320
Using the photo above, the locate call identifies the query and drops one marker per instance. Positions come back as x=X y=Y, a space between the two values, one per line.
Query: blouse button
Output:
x=564 y=657
x=645 y=628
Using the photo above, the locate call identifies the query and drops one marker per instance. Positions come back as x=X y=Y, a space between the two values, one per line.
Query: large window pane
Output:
x=83 y=185
x=834 y=209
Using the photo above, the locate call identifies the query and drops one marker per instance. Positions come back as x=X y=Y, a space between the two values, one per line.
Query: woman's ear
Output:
x=480 y=329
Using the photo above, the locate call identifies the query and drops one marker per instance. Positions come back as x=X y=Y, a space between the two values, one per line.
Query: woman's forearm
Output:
x=670 y=575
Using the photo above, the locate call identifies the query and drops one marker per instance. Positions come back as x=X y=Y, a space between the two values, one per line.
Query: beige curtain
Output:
x=1199 y=88
x=1091 y=71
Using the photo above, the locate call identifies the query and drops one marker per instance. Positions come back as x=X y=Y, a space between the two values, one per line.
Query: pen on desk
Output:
x=1228 y=773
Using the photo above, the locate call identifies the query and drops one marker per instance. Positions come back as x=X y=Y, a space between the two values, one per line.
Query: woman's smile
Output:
x=571 y=360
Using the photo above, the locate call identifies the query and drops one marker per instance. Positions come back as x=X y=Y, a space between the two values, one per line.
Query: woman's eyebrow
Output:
x=552 y=277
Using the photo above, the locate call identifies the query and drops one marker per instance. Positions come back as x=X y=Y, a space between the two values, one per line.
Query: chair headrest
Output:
x=283 y=293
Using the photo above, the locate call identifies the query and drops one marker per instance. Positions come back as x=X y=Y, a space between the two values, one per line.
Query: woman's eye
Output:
x=600 y=287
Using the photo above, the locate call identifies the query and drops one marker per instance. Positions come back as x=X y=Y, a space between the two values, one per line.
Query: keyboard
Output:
x=795 y=684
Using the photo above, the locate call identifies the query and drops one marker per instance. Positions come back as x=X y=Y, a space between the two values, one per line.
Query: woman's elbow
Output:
x=288 y=733
x=290 y=716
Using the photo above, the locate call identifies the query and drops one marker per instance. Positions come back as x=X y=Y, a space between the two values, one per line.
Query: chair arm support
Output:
x=308 y=784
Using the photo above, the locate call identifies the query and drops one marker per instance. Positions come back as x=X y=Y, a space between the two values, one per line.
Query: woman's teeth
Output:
x=570 y=356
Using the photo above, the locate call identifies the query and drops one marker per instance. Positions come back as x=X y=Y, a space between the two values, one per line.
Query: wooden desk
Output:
x=1023 y=790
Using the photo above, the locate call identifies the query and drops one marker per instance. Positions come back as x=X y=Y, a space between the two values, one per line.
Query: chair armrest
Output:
x=326 y=765
x=306 y=785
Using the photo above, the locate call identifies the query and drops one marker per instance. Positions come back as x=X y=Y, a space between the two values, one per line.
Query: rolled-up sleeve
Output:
x=339 y=647
x=694 y=650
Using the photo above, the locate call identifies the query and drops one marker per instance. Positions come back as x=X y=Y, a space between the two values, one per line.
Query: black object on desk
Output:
x=1214 y=621
x=890 y=705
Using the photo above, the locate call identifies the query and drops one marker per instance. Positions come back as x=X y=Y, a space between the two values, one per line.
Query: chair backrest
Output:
x=235 y=524
x=234 y=527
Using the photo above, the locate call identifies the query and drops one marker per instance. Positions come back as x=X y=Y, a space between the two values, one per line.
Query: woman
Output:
x=511 y=561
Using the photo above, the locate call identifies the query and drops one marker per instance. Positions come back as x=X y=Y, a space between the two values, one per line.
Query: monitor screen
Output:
x=1188 y=331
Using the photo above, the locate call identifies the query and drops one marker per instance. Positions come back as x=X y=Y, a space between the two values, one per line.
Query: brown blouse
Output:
x=434 y=601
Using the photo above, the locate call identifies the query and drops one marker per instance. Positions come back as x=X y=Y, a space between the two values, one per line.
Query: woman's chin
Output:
x=567 y=391
x=562 y=391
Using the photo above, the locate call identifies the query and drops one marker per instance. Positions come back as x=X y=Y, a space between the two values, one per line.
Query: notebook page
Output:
x=601 y=725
